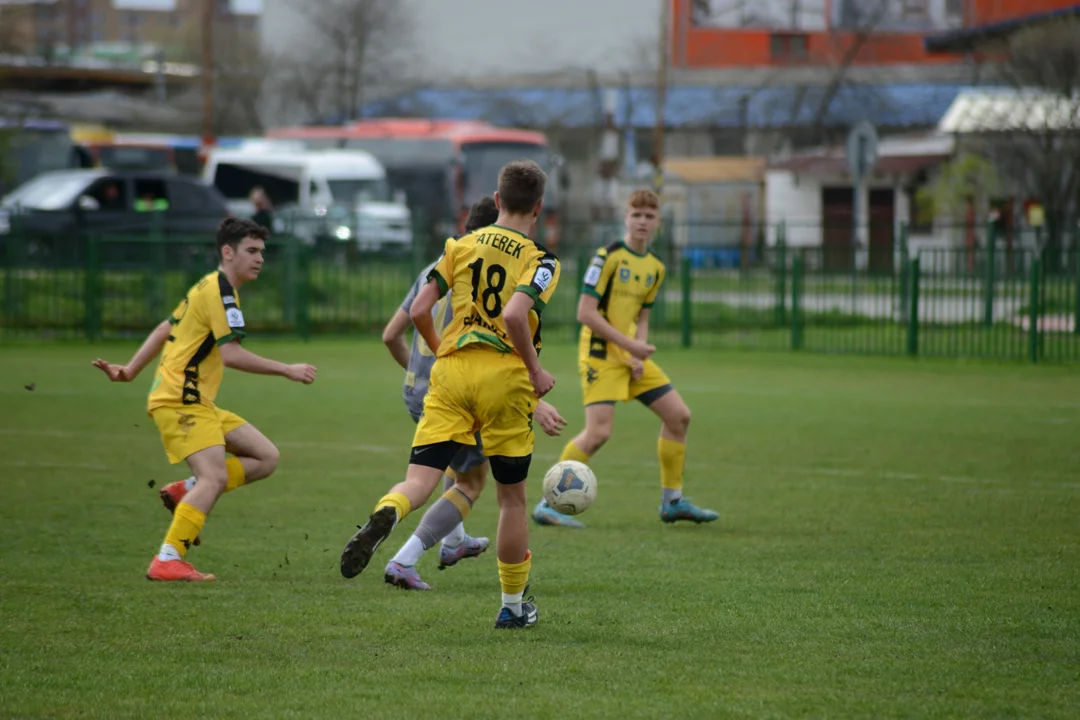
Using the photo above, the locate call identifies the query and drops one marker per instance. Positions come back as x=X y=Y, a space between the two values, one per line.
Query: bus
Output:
x=442 y=166
x=30 y=146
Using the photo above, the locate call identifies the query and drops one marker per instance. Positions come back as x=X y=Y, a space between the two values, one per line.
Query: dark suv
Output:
x=56 y=211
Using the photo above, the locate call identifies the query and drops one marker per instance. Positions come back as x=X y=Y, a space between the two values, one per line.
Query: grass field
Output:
x=898 y=539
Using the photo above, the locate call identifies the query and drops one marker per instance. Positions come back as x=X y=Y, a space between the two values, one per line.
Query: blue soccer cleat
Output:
x=507 y=620
x=544 y=514
x=683 y=509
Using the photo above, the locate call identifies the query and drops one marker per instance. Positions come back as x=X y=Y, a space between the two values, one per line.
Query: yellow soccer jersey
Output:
x=484 y=269
x=623 y=282
x=190 y=369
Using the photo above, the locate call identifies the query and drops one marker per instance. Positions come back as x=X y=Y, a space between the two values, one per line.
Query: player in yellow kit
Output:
x=200 y=339
x=621 y=285
x=487 y=377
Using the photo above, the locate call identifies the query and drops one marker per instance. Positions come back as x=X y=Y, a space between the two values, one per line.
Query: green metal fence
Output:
x=976 y=301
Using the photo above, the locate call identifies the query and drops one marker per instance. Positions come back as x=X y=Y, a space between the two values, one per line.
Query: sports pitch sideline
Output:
x=898 y=539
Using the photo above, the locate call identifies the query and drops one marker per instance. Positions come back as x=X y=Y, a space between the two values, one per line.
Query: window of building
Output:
x=789 y=46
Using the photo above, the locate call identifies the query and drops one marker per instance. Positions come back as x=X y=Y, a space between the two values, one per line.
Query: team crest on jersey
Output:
x=624 y=274
x=543 y=279
x=649 y=280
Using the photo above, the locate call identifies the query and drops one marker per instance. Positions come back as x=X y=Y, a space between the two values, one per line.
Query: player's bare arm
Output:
x=236 y=357
x=589 y=314
x=420 y=314
x=516 y=316
x=149 y=350
x=394 y=337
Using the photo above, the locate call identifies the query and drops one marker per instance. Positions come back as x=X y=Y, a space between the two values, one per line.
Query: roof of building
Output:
x=1000 y=110
x=899 y=155
x=704 y=170
x=896 y=105
x=968 y=39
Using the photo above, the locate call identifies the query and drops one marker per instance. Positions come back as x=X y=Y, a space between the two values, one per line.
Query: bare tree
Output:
x=241 y=72
x=1033 y=135
x=863 y=19
x=358 y=44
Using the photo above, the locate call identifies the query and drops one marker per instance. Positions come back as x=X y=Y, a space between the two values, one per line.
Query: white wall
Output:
x=795 y=200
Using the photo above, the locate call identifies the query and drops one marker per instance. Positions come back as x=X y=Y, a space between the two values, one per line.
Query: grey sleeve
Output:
x=421 y=281
x=406 y=304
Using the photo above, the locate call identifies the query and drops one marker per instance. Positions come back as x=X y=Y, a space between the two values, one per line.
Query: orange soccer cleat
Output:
x=175 y=571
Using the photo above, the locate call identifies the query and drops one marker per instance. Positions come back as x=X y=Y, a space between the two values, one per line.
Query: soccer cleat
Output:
x=175 y=571
x=507 y=620
x=172 y=495
x=361 y=546
x=547 y=515
x=470 y=548
x=404 y=577
x=683 y=509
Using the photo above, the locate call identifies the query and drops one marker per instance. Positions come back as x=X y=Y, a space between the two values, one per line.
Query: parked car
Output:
x=56 y=211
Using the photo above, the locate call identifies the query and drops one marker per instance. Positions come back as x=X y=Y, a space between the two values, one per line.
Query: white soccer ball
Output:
x=570 y=487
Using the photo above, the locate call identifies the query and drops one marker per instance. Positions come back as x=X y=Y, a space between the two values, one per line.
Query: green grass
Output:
x=898 y=539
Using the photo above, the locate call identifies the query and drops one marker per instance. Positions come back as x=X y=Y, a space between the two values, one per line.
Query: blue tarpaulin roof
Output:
x=886 y=105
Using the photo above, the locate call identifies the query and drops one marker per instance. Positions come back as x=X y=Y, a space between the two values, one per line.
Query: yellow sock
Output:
x=187 y=522
x=399 y=502
x=515 y=576
x=672 y=458
x=459 y=500
x=237 y=477
x=573 y=452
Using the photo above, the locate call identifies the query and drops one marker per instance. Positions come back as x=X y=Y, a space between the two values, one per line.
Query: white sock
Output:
x=455 y=537
x=513 y=602
x=189 y=483
x=410 y=552
x=168 y=552
x=670 y=496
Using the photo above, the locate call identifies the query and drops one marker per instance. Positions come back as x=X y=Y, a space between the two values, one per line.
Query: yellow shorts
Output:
x=187 y=429
x=476 y=389
x=605 y=381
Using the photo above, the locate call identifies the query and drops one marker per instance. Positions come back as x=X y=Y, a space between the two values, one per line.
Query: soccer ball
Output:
x=570 y=487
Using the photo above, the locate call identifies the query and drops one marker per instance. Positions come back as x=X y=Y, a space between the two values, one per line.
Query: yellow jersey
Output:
x=484 y=269
x=624 y=282
x=191 y=368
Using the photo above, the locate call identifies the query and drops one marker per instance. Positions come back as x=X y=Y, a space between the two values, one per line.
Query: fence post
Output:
x=990 y=278
x=913 y=309
x=289 y=279
x=11 y=301
x=92 y=288
x=1033 y=308
x=781 y=273
x=584 y=258
x=685 y=312
x=1076 y=280
x=303 y=294
x=904 y=268
x=796 y=301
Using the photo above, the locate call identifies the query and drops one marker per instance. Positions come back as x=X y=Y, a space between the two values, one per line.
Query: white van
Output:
x=342 y=192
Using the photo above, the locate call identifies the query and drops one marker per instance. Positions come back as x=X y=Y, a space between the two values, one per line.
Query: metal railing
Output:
x=977 y=300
